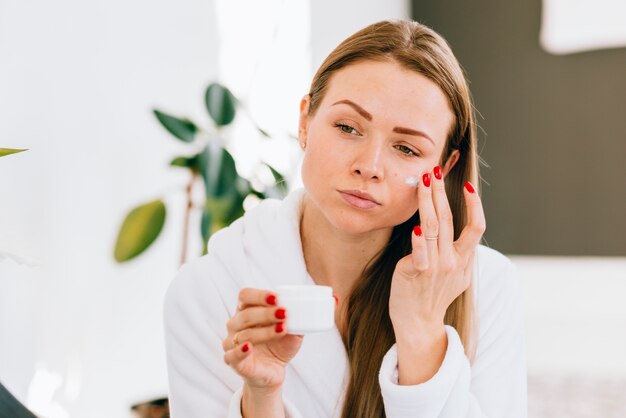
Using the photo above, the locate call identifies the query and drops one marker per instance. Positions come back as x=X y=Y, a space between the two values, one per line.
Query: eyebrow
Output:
x=368 y=116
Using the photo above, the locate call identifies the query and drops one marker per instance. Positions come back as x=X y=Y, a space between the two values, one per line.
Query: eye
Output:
x=406 y=150
x=346 y=129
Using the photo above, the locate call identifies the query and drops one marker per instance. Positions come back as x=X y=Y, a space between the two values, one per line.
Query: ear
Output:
x=452 y=160
x=304 y=120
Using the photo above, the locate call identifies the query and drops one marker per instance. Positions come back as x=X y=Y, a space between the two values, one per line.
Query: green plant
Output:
x=8 y=151
x=225 y=190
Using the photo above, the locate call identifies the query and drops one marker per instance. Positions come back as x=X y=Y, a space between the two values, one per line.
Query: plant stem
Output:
x=188 y=208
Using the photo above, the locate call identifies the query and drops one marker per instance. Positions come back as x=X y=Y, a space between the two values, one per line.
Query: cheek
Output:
x=406 y=178
x=405 y=200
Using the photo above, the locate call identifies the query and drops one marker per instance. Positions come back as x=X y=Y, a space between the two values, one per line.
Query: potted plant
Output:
x=224 y=189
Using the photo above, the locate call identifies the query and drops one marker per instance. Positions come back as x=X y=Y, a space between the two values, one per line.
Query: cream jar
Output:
x=310 y=308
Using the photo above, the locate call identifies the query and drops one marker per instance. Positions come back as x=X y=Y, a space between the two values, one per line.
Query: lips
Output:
x=358 y=199
x=359 y=194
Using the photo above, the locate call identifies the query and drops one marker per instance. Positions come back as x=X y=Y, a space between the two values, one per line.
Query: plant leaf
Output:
x=220 y=104
x=183 y=129
x=263 y=132
x=206 y=223
x=218 y=170
x=139 y=230
x=281 y=183
x=218 y=209
x=236 y=208
x=8 y=151
x=186 y=162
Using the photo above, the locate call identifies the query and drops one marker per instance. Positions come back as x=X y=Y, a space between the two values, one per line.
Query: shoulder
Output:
x=200 y=289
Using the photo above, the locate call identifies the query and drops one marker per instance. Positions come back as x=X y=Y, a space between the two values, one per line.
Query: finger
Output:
x=262 y=335
x=444 y=215
x=428 y=217
x=256 y=317
x=249 y=296
x=419 y=253
x=473 y=231
x=236 y=356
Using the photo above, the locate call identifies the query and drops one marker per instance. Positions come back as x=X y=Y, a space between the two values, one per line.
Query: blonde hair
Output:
x=369 y=332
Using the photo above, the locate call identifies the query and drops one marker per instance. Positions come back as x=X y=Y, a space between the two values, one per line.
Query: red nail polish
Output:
x=437 y=171
x=469 y=187
x=245 y=347
x=417 y=230
x=280 y=313
x=271 y=300
x=279 y=327
x=426 y=179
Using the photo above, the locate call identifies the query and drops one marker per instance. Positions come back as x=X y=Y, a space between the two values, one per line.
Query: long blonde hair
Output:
x=369 y=330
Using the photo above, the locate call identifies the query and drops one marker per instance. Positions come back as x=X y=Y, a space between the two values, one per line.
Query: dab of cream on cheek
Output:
x=412 y=181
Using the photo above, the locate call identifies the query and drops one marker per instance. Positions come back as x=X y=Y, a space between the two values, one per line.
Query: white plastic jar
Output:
x=310 y=308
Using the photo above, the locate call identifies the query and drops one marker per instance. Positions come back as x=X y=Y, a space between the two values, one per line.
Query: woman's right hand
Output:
x=263 y=348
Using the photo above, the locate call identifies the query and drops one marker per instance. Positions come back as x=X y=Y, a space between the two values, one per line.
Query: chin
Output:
x=352 y=222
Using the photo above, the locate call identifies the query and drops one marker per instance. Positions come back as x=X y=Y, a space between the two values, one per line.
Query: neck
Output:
x=333 y=257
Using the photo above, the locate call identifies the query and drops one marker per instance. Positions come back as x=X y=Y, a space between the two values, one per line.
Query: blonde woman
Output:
x=428 y=322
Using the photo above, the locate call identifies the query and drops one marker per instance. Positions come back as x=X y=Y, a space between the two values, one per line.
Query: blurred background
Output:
x=81 y=333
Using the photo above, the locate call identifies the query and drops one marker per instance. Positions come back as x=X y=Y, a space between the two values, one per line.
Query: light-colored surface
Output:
x=575 y=314
x=569 y=27
x=575 y=335
x=576 y=396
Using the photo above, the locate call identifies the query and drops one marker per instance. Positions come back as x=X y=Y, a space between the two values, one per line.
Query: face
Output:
x=377 y=125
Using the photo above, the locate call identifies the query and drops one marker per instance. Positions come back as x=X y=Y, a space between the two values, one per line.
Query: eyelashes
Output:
x=346 y=129
x=341 y=127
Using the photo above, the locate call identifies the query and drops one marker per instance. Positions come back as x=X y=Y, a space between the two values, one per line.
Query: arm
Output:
x=494 y=386
x=255 y=404
x=201 y=384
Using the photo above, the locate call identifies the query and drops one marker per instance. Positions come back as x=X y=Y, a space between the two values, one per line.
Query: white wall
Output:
x=77 y=82
x=333 y=21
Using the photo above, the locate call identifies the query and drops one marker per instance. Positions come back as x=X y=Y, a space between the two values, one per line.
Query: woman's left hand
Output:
x=437 y=271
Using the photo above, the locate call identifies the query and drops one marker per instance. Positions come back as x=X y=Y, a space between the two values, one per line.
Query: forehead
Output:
x=392 y=94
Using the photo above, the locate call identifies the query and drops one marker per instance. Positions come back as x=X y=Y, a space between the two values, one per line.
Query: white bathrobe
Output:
x=263 y=250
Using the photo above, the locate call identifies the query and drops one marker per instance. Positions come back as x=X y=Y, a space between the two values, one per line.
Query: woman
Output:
x=429 y=322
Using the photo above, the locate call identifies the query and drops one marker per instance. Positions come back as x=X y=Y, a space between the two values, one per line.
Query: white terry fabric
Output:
x=263 y=250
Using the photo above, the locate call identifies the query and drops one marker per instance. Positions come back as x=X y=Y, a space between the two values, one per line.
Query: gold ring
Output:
x=435 y=238
x=235 y=341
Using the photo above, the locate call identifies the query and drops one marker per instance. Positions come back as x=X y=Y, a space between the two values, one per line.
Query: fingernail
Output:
x=280 y=313
x=438 y=172
x=469 y=187
x=426 y=179
x=417 y=230
x=279 y=327
x=271 y=300
x=245 y=347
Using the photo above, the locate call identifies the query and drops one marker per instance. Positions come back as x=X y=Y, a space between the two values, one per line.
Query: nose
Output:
x=369 y=161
